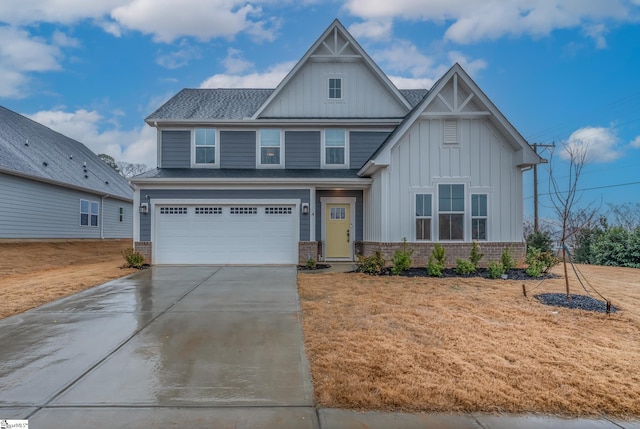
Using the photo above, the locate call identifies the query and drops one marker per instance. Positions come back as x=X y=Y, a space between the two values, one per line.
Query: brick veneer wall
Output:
x=422 y=251
x=144 y=247
x=307 y=249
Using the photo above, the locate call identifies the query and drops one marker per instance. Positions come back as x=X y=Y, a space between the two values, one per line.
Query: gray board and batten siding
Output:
x=302 y=149
x=346 y=194
x=227 y=194
x=42 y=210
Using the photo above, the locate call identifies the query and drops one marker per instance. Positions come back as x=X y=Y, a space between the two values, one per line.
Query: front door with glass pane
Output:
x=338 y=231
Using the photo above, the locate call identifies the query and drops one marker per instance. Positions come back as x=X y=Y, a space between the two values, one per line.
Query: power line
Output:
x=595 y=188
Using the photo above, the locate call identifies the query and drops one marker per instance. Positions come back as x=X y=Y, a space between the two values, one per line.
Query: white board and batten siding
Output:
x=225 y=233
x=482 y=160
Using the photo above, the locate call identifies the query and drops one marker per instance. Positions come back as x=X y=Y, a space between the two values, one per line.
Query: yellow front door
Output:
x=337 y=228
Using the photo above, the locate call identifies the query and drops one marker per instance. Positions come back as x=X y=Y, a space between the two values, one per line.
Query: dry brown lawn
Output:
x=472 y=345
x=34 y=273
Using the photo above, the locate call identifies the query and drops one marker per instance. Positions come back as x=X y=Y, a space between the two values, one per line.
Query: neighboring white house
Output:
x=54 y=187
x=333 y=162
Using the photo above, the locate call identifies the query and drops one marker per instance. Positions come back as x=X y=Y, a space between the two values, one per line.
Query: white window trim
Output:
x=259 y=152
x=466 y=219
x=341 y=79
x=323 y=153
x=90 y=202
x=217 y=148
x=472 y=217
x=431 y=192
x=352 y=220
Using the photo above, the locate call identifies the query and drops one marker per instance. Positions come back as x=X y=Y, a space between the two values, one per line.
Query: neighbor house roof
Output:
x=32 y=150
x=229 y=104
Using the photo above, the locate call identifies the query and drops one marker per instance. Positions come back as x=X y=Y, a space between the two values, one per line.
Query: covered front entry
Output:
x=338 y=228
x=226 y=234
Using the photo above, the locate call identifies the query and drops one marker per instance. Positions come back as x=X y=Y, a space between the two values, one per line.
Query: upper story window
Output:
x=451 y=212
x=89 y=213
x=335 y=147
x=205 y=146
x=335 y=88
x=270 y=147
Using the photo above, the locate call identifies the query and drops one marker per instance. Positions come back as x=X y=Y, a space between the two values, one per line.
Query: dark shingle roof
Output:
x=26 y=146
x=237 y=173
x=229 y=104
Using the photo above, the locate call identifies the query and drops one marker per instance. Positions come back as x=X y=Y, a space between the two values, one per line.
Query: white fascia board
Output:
x=283 y=122
x=182 y=182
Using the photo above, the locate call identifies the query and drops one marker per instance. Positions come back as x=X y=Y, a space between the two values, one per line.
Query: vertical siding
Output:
x=362 y=144
x=306 y=95
x=31 y=209
x=248 y=194
x=237 y=149
x=357 y=194
x=176 y=149
x=302 y=149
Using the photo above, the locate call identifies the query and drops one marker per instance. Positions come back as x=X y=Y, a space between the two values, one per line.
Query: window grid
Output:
x=208 y=210
x=338 y=213
x=270 y=147
x=205 y=145
x=451 y=212
x=278 y=210
x=89 y=213
x=335 y=146
x=244 y=210
x=121 y=214
x=173 y=210
x=335 y=88
x=478 y=216
x=423 y=216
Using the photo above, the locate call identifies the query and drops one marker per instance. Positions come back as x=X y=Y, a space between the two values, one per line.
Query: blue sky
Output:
x=562 y=71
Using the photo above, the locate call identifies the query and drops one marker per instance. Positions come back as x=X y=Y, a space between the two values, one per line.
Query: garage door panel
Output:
x=233 y=234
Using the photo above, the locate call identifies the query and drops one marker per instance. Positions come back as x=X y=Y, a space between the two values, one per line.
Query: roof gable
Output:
x=337 y=46
x=31 y=150
x=455 y=95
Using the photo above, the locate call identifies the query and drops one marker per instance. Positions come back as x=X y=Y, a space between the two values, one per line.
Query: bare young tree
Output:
x=564 y=198
x=129 y=170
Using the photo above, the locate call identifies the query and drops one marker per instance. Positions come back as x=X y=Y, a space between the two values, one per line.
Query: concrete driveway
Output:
x=186 y=346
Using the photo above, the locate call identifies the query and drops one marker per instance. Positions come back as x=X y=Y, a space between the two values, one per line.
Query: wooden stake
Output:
x=524 y=290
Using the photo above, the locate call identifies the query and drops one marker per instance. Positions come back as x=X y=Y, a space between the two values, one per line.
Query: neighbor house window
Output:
x=479 y=216
x=451 y=212
x=205 y=145
x=121 y=214
x=335 y=147
x=270 y=147
x=335 y=88
x=89 y=213
x=423 y=216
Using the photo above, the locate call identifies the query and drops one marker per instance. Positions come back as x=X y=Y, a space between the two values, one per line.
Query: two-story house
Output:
x=333 y=162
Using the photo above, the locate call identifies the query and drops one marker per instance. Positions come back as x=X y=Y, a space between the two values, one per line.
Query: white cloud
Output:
x=180 y=57
x=269 y=79
x=234 y=63
x=204 y=19
x=64 y=41
x=137 y=145
x=601 y=144
x=20 y=55
x=60 y=11
x=597 y=32
x=374 y=29
x=636 y=142
x=472 y=21
x=470 y=66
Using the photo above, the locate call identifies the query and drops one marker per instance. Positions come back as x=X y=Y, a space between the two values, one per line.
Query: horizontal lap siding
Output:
x=302 y=149
x=362 y=144
x=237 y=149
x=113 y=228
x=176 y=149
x=227 y=194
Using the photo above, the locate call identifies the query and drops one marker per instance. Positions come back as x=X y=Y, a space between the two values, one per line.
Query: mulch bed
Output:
x=514 y=274
x=580 y=302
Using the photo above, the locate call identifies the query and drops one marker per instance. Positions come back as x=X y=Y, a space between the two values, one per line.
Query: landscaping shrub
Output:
x=437 y=261
x=495 y=270
x=507 y=260
x=311 y=264
x=464 y=267
x=475 y=255
x=539 y=240
x=539 y=262
x=133 y=257
x=372 y=265
x=402 y=258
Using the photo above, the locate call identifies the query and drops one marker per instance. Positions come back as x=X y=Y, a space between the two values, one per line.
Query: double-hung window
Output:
x=89 y=213
x=423 y=216
x=205 y=146
x=451 y=212
x=270 y=147
x=479 y=216
x=335 y=146
x=121 y=214
x=335 y=88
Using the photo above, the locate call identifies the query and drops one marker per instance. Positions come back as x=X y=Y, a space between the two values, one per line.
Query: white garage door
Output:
x=226 y=234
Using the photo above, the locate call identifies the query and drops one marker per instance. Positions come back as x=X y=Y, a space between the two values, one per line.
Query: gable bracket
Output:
x=446 y=103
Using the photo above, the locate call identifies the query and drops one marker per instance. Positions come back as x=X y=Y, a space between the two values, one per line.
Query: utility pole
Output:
x=535 y=183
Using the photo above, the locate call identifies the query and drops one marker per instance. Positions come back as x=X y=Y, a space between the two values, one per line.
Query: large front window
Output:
x=451 y=212
x=479 y=216
x=205 y=143
x=423 y=216
x=334 y=146
x=270 y=145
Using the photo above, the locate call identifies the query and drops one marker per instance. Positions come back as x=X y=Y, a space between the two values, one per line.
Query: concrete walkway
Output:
x=186 y=347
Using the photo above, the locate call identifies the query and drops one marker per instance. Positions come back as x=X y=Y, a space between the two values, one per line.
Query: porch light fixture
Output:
x=144 y=208
x=305 y=208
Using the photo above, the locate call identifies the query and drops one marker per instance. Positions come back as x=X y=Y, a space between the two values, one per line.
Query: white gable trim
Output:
x=335 y=27
x=383 y=157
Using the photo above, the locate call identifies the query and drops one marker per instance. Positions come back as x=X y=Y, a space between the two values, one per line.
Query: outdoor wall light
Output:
x=305 y=208
x=144 y=208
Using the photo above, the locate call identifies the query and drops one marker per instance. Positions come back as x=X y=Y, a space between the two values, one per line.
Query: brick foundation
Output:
x=422 y=251
x=307 y=249
x=144 y=247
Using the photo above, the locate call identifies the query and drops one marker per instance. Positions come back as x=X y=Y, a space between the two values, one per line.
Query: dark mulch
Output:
x=318 y=267
x=515 y=274
x=581 y=302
